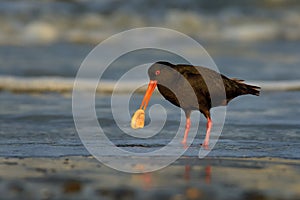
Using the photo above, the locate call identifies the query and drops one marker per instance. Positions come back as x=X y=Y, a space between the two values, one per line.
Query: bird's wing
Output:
x=201 y=76
x=190 y=69
x=207 y=82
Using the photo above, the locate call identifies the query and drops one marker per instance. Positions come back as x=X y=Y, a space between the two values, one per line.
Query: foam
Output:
x=65 y=85
x=87 y=21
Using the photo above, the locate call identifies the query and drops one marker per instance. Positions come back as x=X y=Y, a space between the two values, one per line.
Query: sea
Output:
x=43 y=45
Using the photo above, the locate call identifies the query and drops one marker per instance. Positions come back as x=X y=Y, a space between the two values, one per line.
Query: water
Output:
x=37 y=71
x=27 y=22
x=42 y=125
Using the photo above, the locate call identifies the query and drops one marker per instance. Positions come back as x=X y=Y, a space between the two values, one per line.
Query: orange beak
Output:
x=150 y=89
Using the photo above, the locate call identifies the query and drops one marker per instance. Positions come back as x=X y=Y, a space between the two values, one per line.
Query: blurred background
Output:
x=43 y=43
x=51 y=38
x=81 y=21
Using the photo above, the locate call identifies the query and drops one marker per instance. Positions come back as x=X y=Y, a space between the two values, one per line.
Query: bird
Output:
x=191 y=88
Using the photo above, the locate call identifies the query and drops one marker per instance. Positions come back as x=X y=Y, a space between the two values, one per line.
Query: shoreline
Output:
x=66 y=85
x=83 y=177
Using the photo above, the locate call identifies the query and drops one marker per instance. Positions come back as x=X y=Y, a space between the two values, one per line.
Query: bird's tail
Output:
x=251 y=89
x=248 y=89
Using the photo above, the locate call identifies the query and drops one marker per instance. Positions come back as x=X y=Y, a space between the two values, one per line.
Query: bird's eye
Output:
x=157 y=72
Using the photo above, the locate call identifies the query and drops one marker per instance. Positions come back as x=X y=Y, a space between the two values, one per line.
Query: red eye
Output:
x=157 y=72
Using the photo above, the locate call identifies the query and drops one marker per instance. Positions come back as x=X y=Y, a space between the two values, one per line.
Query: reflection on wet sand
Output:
x=207 y=173
x=232 y=178
x=147 y=181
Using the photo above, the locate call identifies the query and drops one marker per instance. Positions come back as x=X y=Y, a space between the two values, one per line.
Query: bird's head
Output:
x=158 y=72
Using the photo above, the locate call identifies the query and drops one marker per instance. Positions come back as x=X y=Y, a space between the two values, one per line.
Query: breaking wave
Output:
x=81 y=21
x=65 y=85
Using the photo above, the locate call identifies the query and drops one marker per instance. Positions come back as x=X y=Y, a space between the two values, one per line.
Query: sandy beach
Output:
x=188 y=178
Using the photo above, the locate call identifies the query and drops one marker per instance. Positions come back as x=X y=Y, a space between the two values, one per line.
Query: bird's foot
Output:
x=183 y=142
x=205 y=144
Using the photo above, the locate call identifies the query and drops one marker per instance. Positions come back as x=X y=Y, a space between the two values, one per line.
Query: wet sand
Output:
x=188 y=178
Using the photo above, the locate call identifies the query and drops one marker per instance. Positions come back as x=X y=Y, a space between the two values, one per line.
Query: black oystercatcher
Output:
x=178 y=84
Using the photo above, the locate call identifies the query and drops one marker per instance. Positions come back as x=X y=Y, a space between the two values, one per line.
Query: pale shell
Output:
x=138 y=119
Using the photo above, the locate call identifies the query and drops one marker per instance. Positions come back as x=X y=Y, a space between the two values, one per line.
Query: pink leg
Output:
x=208 y=129
x=187 y=129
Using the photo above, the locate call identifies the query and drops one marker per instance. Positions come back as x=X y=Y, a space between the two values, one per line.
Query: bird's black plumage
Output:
x=194 y=88
x=177 y=83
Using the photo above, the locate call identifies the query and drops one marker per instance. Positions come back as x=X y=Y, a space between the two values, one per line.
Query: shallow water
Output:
x=274 y=60
x=42 y=47
x=42 y=125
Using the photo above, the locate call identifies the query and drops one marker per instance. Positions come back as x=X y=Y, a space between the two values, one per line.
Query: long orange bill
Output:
x=150 y=89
